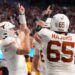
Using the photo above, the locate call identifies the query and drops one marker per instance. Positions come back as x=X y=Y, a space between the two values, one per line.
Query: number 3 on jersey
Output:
x=57 y=53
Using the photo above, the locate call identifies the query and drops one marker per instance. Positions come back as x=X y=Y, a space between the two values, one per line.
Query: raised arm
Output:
x=24 y=34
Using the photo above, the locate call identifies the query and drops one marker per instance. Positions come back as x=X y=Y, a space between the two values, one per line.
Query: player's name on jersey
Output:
x=55 y=36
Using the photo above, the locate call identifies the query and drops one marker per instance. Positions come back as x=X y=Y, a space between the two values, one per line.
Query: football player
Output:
x=41 y=24
x=58 y=47
x=13 y=46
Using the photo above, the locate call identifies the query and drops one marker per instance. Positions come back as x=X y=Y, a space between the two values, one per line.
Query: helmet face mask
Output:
x=60 y=23
x=3 y=33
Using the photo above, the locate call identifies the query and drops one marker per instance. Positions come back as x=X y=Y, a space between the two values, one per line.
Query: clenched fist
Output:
x=21 y=9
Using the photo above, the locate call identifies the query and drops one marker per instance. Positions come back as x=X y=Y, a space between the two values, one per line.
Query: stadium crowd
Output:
x=33 y=13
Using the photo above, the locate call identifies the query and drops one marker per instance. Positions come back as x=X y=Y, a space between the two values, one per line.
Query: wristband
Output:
x=21 y=13
x=22 y=19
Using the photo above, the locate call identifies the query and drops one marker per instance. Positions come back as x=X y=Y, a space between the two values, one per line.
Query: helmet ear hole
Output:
x=2 y=26
x=5 y=33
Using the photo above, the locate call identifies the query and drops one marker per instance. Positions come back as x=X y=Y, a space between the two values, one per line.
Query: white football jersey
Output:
x=59 y=51
x=15 y=63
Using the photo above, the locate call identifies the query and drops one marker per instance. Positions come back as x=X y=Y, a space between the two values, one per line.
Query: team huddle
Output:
x=53 y=39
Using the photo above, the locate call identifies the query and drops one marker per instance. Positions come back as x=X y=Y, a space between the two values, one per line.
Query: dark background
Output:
x=42 y=2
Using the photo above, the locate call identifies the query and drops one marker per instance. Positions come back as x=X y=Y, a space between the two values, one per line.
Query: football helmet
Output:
x=48 y=23
x=7 y=25
x=4 y=29
x=5 y=37
x=5 y=34
x=60 y=23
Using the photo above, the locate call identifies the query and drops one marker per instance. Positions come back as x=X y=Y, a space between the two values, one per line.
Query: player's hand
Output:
x=40 y=23
x=21 y=9
x=25 y=29
x=49 y=10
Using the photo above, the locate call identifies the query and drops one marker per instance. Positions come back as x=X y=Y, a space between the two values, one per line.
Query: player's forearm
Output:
x=24 y=43
x=27 y=42
x=35 y=62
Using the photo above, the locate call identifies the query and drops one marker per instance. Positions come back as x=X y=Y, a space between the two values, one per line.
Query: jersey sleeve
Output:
x=44 y=32
x=41 y=32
